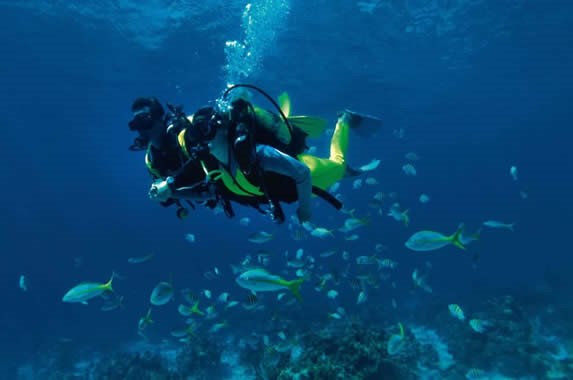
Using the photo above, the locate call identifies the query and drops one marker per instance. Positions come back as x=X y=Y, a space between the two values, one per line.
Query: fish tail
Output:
x=294 y=287
x=455 y=238
x=107 y=285
x=511 y=227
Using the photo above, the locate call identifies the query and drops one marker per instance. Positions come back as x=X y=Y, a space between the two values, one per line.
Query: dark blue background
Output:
x=71 y=189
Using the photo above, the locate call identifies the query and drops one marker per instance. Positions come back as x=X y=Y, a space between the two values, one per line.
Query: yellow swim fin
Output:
x=284 y=103
x=311 y=125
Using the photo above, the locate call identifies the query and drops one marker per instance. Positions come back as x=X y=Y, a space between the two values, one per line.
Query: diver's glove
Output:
x=161 y=189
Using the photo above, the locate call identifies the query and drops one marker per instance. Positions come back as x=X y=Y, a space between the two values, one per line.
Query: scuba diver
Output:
x=260 y=155
x=157 y=135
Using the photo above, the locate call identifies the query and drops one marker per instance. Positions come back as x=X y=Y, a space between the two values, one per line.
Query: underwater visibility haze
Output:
x=450 y=257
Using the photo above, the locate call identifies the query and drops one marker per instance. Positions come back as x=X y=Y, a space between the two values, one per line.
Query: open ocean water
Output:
x=476 y=102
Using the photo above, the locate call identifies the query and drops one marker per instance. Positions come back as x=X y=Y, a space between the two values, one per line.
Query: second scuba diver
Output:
x=253 y=156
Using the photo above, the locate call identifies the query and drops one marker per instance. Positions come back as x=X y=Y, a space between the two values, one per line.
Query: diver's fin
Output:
x=352 y=172
x=364 y=125
x=312 y=126
x=284 y=103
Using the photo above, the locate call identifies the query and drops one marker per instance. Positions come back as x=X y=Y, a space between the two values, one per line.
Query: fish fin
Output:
x=195 y=309
x=294 y=287
x=455 y=238
x=311 y=125
x=107 y=285
x=284 y=103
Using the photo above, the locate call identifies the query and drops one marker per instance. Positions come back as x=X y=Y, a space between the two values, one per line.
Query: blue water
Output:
x=476 y=87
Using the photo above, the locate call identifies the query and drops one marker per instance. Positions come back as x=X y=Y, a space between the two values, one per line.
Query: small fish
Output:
x=380 y=248
x=479 y=325
x=260 y=237
x=144 y=321
x=351 y=224
x=411 y=156
x=387 y=263
x=296 y=263
x=161 y=294
x=357 y=184
x=23 y=283
x=223 y=297
x=420 y=281
x=478 y=374
x=513 y=172
x=321 y=232
x=371 y=181
x=456 y=311
x=372 y=165
x=366 y=260
x=140 y=259
x=188 y=296
x=87 y=290
x=244 y=221
x=362 y=297
x=396 y=342
x=218 y=326
x=523 y=195
x=299 y=254
x=499 y=225
x=328 y=253
x=423 y=241
x=352 y=237
x=345 y=255
x=112 y=304
x=259 y=280
x=334 y=316
x=231 y=304
x=399 y=215
x=409 y=170
x=424 y=198
x=332 y=294
x=187 y=311
x=190 y=238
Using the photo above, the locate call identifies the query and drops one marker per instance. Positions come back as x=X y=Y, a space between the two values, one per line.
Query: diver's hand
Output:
x=160 y=190
x=304 y=214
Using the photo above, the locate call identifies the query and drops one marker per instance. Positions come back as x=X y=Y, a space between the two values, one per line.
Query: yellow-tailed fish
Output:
x=321 y=232
x=396 y=341
x=87 y=290
x=259 y=280
x=260 y=237
x=186 y=311
x=161 y=294
x=145 y=321
x=397 y=214
x=423 y=241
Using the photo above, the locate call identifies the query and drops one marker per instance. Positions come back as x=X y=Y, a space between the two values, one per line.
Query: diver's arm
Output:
x=165 y=190
x=204 y=192
x=273 y=160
